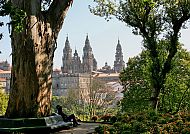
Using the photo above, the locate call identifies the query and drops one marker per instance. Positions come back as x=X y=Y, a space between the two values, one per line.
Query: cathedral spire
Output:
x=118 y=45
x=67 y=44
x=87 y=42
x=75 y=54
x=73 y=64
x=67 y=57
x=89 y=62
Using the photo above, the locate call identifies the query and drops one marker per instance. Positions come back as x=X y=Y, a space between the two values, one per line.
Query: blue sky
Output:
x=103 y=36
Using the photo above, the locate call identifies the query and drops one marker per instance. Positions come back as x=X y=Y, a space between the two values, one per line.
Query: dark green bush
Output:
x=162 y=121
x=150 y=123
x=94 y=118
x=100 y=129
x=113 y=119
x=185 y=131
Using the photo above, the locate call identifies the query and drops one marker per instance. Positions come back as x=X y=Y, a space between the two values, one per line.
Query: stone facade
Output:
x=106 y=69
x=62 y=82
x=73 y=64
x=5 y=77
x=106 y=77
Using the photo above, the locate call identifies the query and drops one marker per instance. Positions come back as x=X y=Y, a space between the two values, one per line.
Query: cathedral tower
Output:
x=76 y=63
x=67 y=57
x=89 y=62
x=119 y=64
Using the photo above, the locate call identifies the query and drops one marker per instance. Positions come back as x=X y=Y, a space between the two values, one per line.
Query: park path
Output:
x=83 y=128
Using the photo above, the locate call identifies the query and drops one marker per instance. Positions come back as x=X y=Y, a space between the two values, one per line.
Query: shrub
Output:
x=94 y=118
x=3 y=102
x=162 y=121
x=106 y=118
x=113 y=119
x=101 y=129
x=185 y=131
x=148 y=123
x=179 y=123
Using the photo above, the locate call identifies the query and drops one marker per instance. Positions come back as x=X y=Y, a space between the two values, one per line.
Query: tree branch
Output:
x=174 y=42
x=57 y=12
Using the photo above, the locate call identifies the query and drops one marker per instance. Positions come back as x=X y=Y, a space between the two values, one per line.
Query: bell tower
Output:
x=89 y=62
x=119 y=64
x=67 y=57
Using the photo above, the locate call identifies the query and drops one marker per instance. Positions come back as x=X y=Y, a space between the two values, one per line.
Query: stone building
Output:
x=106 y=77
x=62 y=82
x=78 y=74
x=106 y=69
x=3 y=83
x=73 y=64
x=5 y=77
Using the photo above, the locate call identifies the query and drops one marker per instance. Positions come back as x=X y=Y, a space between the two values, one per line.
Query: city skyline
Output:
x=103 y=36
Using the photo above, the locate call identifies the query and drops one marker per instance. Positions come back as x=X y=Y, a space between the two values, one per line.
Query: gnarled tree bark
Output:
x=32 y=58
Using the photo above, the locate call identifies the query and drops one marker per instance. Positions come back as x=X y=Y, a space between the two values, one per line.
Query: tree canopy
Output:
x=135 y=77
x=154 y=20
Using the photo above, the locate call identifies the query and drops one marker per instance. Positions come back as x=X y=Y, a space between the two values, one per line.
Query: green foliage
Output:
x=17 y=15
x=3 y=102
x=176 y=97
x=136 y=83
x=145 y=123
x=84 y=105
x=105 y=8
x=135 y=78
x=69 y=103
x=101 y=129
x=101 y=98
x=154 y=20
x=158 y=15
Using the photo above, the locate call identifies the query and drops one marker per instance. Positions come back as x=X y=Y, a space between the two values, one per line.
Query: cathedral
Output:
x=77 y=73
x=73 y=64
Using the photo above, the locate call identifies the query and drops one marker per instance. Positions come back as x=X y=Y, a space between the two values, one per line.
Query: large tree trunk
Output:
x=32 y=58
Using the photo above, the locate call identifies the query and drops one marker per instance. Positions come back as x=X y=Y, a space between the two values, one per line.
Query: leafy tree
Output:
x=72 y=101
x=101 y=98
x=69 y=102
x=6 y=8
x=35 y=25
x=89 y=102
x=137 y=84
x=176 y=94
x=3 y=102
x=175 y=97
x=151 y=19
